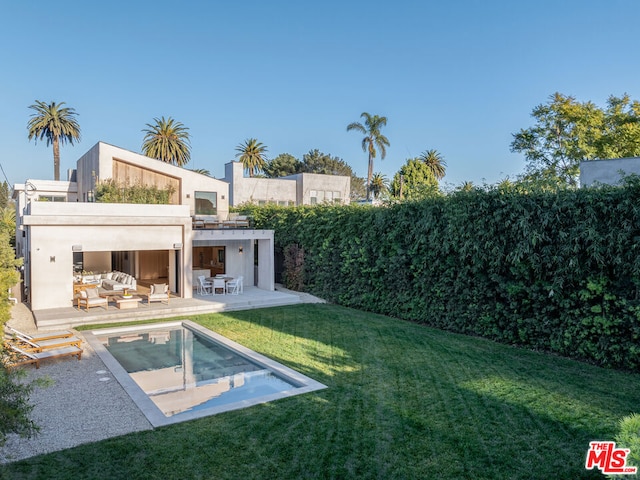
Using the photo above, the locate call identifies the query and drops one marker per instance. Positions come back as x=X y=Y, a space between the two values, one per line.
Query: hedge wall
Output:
x=557 y=272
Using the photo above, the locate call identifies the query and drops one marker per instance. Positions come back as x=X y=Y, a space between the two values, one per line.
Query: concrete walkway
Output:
x=83 y=404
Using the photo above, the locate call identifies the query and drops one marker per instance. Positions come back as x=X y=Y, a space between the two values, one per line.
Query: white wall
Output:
x=56 y=228
x=609 y=171
x=255 y=190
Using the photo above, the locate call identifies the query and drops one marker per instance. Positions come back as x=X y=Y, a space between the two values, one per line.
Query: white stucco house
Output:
x=298 y=189
x=61 y=232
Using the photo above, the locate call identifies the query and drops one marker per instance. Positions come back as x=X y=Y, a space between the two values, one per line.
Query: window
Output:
x=206 y=203
x=336 y=197
x=313 y=197
x=52 y=198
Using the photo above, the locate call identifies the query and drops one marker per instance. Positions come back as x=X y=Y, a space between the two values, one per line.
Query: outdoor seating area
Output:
x=213 y=221
x=220 y=285
x=108 y=280
x=29 y=349
x=94 y=296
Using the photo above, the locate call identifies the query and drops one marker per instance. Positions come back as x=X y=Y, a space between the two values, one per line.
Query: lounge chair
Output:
x=158 y=292
x=91 y=298
x=41 y=336
x=37 y=357
x=41 y=345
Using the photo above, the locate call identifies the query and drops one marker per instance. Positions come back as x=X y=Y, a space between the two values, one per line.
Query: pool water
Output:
x=187 y=371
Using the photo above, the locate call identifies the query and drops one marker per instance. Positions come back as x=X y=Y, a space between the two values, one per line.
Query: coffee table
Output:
x=126 y=303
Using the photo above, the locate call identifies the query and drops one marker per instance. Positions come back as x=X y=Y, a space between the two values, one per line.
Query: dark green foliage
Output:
x=294 y=267
x=551 y=271
x=629 y=437
x=14 y=405
x=14 y=393
x=109 y=191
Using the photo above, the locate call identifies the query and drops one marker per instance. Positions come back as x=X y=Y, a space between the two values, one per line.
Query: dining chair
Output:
x=204 y=287
x=218 y=284
x=234 y=287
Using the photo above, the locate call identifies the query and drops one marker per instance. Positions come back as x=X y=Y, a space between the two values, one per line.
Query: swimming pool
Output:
x=178 y=371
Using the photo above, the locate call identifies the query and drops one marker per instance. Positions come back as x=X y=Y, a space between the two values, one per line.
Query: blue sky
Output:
x=458 y=76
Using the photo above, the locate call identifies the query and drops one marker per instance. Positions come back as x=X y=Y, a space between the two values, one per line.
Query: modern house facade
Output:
x=62 y=234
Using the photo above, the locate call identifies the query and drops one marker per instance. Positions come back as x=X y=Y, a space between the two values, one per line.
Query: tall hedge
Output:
x=558 y=272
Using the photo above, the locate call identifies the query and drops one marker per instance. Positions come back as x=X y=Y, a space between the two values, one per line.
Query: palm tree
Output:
x=373 y=138
x=252 y=154
x=466 y=186
x=55 y=123
x=167 y=141
x=435 y=161
x=202 y=171
x=379 y=184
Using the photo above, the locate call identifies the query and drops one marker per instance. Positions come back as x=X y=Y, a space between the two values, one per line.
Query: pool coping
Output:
x=153 y=413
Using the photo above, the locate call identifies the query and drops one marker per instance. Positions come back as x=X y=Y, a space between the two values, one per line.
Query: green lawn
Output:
x=404 y=401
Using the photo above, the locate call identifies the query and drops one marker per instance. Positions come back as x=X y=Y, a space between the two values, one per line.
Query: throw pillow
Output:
x=92 y=293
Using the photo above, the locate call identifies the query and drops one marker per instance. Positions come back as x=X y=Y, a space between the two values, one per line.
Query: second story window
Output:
x=206 y=203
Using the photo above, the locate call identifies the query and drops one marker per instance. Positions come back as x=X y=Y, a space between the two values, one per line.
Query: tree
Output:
x=168 y=141
x=414 y=181
x=201 y=171
x=379 y=184
x=568 y=132
x=252 y=154
x=621 y=135
x=14 y=391
x=281 y=166
x=55 y=123
x=434 y=160
x=5 y=194
x=373 y=139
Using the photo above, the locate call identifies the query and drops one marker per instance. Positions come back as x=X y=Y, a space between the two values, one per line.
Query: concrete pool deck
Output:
x=84 y=403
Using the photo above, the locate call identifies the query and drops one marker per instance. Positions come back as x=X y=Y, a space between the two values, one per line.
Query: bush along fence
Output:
x=551 y=271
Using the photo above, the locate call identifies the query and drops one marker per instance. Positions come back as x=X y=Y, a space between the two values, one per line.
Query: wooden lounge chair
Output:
x=36 y=357
x=41 y=336
x=39 y=346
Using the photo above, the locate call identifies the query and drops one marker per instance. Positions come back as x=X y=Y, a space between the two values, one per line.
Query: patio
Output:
x=252 y=297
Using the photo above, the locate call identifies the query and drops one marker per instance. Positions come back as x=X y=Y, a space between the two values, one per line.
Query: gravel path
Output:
x=84 y=403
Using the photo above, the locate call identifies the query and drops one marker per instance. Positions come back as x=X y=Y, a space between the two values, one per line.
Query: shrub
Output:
x=629 y=437
x=549 y=270
x=110 y=191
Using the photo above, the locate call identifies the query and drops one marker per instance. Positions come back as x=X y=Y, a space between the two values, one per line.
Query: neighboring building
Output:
x=608 y=172
x=60 y=232
x=298 y=189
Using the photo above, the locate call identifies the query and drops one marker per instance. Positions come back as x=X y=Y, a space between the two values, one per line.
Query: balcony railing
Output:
x=210 y=222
